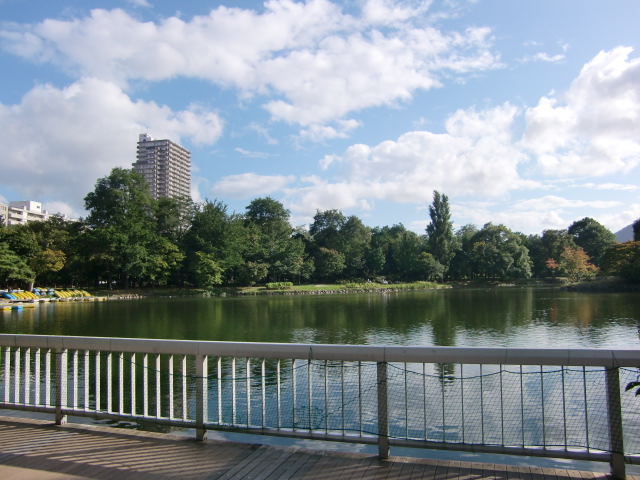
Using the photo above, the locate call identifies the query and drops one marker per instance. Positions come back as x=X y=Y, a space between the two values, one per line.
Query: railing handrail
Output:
x=588 y=357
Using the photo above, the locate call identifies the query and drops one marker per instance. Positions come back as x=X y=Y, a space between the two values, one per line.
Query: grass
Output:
x=263 y=290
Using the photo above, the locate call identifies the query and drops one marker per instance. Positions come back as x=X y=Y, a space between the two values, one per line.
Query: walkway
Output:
x=35 y=449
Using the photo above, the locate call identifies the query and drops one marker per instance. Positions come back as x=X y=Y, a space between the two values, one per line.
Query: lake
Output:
x=511 y=317
x=505 y=317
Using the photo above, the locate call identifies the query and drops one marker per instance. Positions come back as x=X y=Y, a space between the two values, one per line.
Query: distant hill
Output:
x=625 y=234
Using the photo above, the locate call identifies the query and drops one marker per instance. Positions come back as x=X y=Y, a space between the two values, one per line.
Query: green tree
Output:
x=325 y=229
x=207 y=271
x=122 y=229
x=593 y=237
x=221 y=236
x=374 y=261
x=462 y=263
x=548 y=246
x=429 y=268
x=271 y=240
x=497 y=252
x=440 y=230
x=347 y=235
x=623 y=259
x=405 y=252
x=13 y=268
x=173 y=217
x=391 y=241
x=47 y=261
x=356 y=238
x=329 y=264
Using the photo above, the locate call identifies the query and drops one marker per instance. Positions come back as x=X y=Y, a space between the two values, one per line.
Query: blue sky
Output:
x=525 y=113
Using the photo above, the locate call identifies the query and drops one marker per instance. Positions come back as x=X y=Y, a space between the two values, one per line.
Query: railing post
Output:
x=383 y=412
x=202 y=406
x=614 y=416
x=61 y=390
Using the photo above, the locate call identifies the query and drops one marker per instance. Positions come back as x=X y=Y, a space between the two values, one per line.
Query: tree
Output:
x=440 y=230
x=553 y=266
x=355 y=239
x=121 y=223
x=47 y=261
x=461 y=266
x=636 y=230
x=13 y=268
x=271 y=240
x=430 y=269
x=405 y=253
x=374 y=260
x=593 y=237
x=173 y=217
x=207 y=271
x=497 y=252
x=384 y=239
x=21 y=241
x=221 y=237
x=329 y=264
x=347 y=235
x=325 y=229
x=623 y=259
x=574 y=262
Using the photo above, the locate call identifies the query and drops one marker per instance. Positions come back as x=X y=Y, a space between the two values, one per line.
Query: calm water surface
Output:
x=478 y=317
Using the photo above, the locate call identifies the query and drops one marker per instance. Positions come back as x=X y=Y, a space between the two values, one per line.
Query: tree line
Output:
x=130 y=240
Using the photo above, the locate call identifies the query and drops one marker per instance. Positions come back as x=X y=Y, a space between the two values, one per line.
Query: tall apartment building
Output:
x=165 y=165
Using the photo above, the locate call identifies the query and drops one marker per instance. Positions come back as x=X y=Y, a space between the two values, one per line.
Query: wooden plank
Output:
x=422 y=471
x=362 y=468
x=279 y=457
x=306 y=466
x=101 y=452
x=297 y=459
x=518 y=472
x=333 y=466
x=394 y=471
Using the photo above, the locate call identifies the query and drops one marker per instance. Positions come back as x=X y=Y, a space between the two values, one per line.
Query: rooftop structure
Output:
x=21 y=212
x=165 y=165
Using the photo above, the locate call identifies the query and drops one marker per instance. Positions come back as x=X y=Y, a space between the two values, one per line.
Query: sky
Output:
x=524 y=113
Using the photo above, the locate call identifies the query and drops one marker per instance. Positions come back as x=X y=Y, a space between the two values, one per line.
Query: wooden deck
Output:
x=36 y=449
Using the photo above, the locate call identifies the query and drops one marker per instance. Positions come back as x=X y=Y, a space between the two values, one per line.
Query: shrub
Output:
x=279 y=285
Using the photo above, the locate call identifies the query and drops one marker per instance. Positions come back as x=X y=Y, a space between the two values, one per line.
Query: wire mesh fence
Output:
x=566 y=409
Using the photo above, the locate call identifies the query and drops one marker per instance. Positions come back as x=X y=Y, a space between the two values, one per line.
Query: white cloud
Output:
x=248 y=185
x=250 y=154
x=621 y=218
x=474 y=157
x=70 y=137
x=592 y=130
x=140 y=3
x=546 y=57
x=342 y=128
x=610 y=186
x=551 y=202
x=386 y=12
x=61 y=207
x=533 y=215
x=315 y=63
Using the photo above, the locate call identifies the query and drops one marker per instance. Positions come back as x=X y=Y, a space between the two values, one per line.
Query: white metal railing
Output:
x=552 y=402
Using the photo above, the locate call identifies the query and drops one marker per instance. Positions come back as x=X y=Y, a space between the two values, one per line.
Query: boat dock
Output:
x=37 y=449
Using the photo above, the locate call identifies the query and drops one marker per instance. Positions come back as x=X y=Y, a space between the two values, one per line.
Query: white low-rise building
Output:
x=20 y=212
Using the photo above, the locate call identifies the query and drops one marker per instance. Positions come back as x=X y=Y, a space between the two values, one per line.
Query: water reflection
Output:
x=482 y=317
